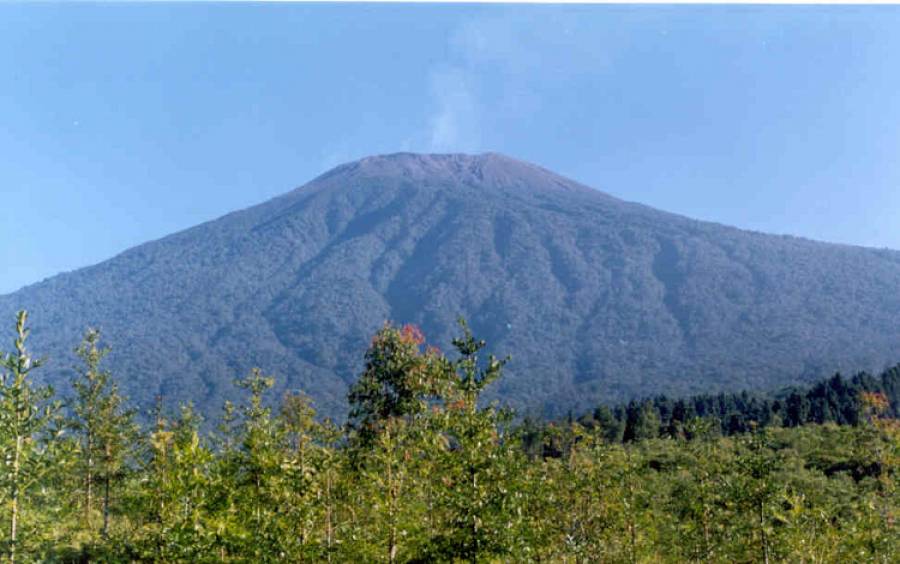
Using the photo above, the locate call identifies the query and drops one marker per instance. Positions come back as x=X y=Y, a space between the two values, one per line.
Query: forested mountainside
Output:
x=597 y=299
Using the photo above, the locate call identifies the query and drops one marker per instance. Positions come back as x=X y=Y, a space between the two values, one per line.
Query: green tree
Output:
x=642 y=422
x=476 y=493
x=390 y=483
x=249 y=471
x=698 y=502
x=177 y=494
x=756 y=490
x=106 y=429
x=308 y=474
x=610 y=426
x=399 y=380
x=26 y=421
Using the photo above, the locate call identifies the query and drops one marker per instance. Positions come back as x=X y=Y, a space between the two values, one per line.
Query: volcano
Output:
x=596 y=299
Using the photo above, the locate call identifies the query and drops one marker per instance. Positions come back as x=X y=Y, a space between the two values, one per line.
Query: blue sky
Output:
x=122 y=123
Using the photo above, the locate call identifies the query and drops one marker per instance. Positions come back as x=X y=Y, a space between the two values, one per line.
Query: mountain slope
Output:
x=596 y=298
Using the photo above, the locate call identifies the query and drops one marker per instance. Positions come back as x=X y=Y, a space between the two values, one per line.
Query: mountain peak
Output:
x=442 y=161
x=598 y=300
x=482 y=170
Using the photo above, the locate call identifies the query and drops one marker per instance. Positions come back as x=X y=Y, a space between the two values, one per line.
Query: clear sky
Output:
x=121 y=123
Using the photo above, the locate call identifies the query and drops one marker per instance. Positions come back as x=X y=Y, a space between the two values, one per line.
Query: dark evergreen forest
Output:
x=835 y=400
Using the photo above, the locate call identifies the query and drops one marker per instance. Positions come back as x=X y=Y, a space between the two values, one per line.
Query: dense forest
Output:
x=425 y=471
x=835 y=400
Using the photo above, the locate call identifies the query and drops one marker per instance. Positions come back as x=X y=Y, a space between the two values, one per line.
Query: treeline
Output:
x=835 y=400
x=424 y=472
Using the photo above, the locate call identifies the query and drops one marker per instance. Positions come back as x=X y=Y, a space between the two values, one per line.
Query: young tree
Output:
x=176 y=494
x=697 y=502
x=306 y=494
x=756 y=488
x=105 y=428
x=250 y=472
x=877 y=450
x=476 y=492
x=26 y=415
x=387 y=480
x=392 y=439
x=399 y=380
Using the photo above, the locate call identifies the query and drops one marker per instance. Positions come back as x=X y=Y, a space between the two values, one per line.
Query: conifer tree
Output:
x=610 y=426
x=642 y=422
